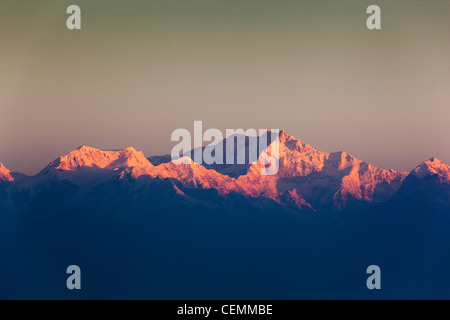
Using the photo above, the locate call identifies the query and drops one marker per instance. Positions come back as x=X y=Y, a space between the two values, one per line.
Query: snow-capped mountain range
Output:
x=307 y=179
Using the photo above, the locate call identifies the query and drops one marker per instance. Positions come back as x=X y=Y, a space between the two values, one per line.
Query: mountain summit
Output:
x=434 y=166
x=90 y=157
x=323 y=179
x=86 y=157
x=5 y=174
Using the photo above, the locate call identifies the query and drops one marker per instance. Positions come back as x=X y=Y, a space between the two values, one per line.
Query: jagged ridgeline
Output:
x=149 y=228
x=308 y=180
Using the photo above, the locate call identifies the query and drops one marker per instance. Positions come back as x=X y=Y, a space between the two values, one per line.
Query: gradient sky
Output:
x=140 y=69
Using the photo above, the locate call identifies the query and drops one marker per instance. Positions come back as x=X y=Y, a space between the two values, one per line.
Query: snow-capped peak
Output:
x=5 y=174
x=86 y=156
x=434 y=166
x=293 y=144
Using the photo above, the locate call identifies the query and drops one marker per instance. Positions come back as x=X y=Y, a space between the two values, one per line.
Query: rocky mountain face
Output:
x=153 y=228
x=307 y=180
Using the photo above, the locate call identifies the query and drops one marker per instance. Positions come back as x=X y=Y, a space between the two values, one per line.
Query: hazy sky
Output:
x=140 y=69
